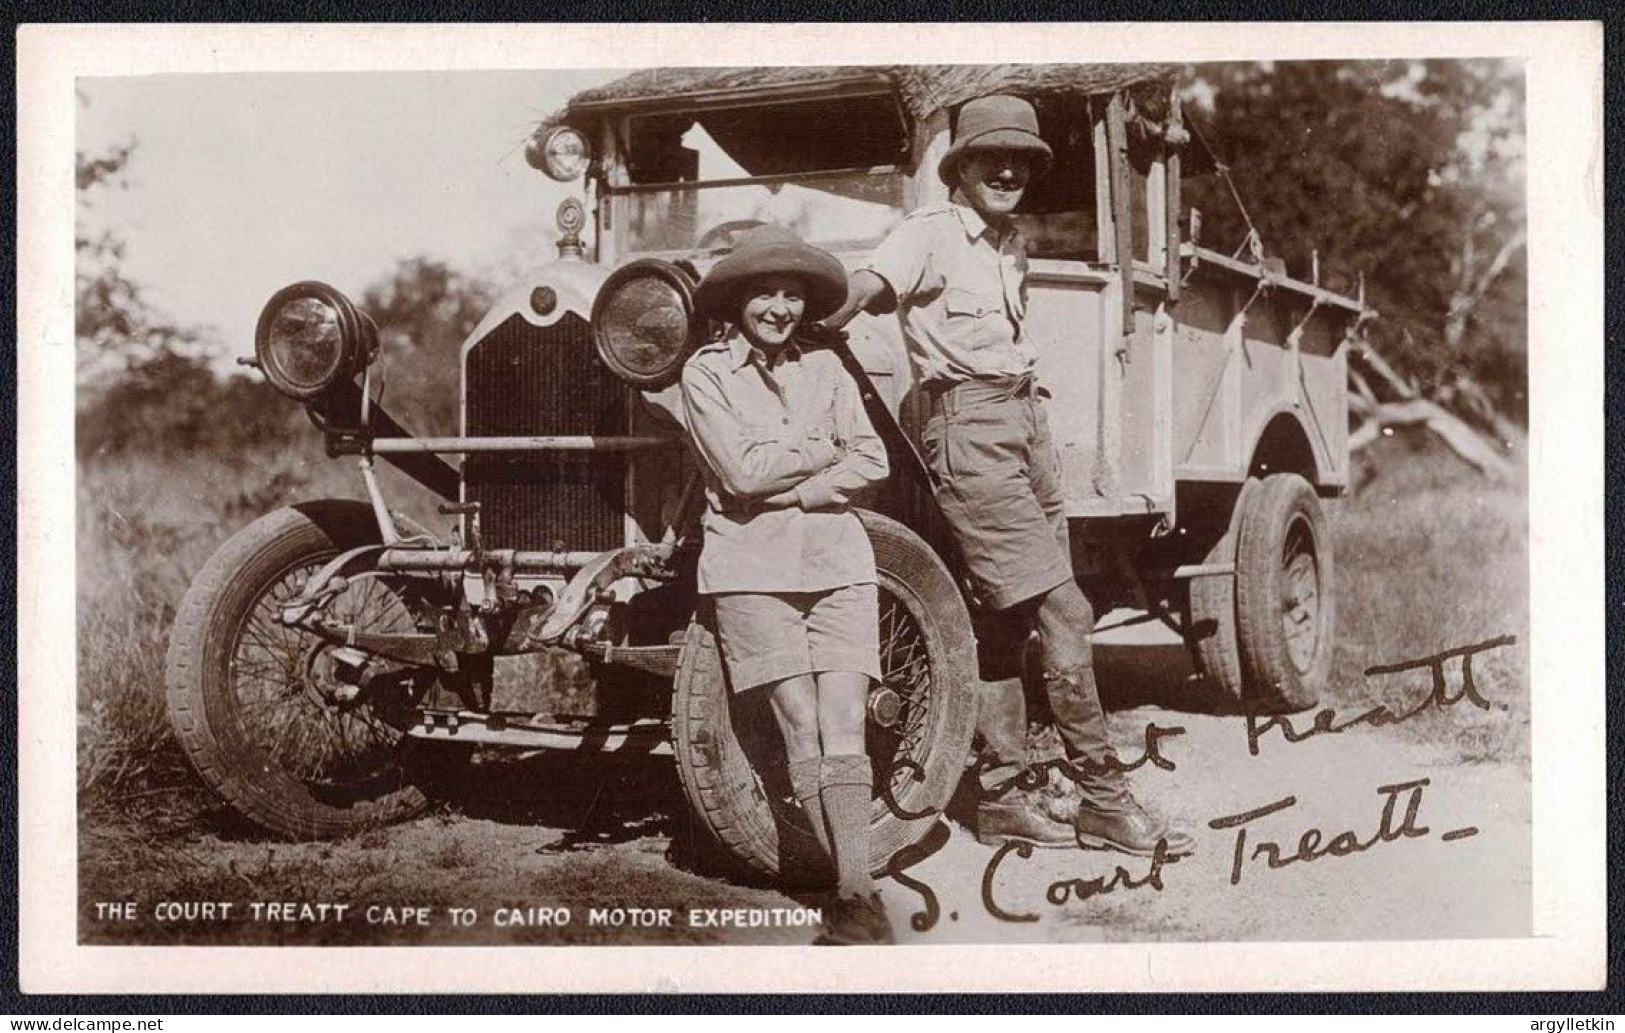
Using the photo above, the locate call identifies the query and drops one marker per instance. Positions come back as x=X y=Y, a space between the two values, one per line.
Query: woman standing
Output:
x=785 y=443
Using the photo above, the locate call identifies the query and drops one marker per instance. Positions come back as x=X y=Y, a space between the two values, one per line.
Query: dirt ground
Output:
x=1450 y=859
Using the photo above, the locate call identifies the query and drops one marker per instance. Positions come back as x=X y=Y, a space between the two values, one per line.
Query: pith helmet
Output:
x=769 y=250
x=995 y=123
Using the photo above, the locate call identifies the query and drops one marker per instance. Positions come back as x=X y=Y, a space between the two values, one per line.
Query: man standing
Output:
x=956 y=273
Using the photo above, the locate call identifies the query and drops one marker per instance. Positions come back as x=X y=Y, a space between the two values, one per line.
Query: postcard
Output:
x=1076 y=507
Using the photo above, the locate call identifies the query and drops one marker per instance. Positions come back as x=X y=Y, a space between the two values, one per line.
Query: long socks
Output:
x=847 y=783
x=806 y=780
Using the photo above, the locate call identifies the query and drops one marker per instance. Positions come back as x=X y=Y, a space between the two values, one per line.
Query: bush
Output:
x=175 y=403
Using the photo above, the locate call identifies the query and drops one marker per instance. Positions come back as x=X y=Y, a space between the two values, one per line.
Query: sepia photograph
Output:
x=833 y=504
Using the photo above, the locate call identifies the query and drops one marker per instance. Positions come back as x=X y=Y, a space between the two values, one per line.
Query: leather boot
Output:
x=1017 y=815
x=1122 y=824
x=855 y=921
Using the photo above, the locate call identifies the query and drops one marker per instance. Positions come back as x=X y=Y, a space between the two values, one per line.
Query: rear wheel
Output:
x=1284 y=609
x=1213 y=609
x=264 y=710
x=1263 y=636
x=730 y=756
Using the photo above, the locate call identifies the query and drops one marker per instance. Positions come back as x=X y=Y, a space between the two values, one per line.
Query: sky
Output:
x=242 y=184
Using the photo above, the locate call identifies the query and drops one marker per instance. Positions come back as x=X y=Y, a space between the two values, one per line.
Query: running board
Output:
x=648 y=737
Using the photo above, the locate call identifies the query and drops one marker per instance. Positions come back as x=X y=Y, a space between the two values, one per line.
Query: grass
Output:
x=145 y=527
x=1429 y=557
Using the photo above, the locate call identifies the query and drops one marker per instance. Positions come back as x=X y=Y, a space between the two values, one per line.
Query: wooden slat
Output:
x=1123 y=230
x=1171 y=200
x=1105 y=221
x=1156 y=216
x=1219 y=260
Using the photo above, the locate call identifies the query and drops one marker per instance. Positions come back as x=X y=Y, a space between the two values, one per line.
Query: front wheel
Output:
x=261 y=708
x=730 y=756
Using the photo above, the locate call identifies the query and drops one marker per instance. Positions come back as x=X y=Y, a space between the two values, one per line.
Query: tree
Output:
x=115 y=327
x=1409 y=173
x=137 y=378
x=146 y=382
x=424 y=310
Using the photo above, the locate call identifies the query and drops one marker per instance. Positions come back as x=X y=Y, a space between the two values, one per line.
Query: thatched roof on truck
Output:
x=923 y=89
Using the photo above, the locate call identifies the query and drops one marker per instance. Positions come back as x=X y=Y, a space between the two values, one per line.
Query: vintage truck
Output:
x=332 y=658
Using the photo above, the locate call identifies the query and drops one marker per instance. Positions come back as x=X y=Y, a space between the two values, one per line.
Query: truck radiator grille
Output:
x=523 y=380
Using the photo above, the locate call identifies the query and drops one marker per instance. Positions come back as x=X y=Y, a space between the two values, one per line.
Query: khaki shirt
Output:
x=760 y=431
x=961 y=294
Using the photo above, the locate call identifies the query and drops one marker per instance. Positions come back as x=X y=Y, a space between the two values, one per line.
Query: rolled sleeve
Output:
x=903 y=258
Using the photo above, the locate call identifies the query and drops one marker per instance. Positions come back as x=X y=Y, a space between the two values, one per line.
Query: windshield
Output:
x=825 y=169
x=837 y=212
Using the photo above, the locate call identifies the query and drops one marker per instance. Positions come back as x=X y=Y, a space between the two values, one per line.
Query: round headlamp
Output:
x=311 y=337
x=563 y=154
x=643 y=322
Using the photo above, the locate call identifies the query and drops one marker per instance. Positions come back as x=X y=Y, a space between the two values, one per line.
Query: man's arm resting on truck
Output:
x=865 y=288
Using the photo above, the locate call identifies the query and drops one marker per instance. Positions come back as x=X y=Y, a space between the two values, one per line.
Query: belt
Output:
x=965 y=394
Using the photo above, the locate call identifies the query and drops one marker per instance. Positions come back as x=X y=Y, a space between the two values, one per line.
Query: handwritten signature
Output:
x=1037 y=776
x=1066 y=890
x=1343 y=844
x=1440 y=698
x=1311 y=846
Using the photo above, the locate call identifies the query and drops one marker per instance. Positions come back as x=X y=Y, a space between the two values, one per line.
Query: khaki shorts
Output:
x=767 y=637
x=1000 y=491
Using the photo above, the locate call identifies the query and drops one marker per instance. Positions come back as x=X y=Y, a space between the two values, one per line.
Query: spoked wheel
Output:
x=301 y=736
x=900 y=712
x=730 y=756
x=289 y=697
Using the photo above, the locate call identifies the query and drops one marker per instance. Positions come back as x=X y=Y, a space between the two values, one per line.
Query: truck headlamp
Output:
x=310 y=338
x=643 y=322
x=563 y=154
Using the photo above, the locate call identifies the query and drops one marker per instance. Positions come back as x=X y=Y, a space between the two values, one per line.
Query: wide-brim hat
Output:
x=995 y=123
x=766 y=251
